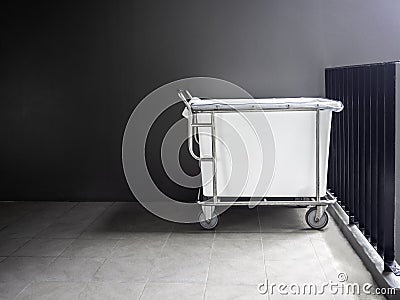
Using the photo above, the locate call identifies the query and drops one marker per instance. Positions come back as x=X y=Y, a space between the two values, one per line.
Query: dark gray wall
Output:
x=360 y=31
x=72 y=72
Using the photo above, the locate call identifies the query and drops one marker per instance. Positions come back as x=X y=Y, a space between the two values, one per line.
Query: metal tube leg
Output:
x=320 y=211
x=208 y=211
x=317 y=150
x=214 y=156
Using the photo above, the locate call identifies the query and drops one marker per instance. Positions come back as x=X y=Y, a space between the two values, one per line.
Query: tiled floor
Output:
x=51 y=250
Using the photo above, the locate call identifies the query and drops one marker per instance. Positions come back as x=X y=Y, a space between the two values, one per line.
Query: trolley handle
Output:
x=185 y=96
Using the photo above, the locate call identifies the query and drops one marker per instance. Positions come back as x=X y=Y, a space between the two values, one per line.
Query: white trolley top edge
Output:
x=301 y=103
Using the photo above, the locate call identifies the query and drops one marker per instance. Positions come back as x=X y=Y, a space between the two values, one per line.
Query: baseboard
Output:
x=365 y=251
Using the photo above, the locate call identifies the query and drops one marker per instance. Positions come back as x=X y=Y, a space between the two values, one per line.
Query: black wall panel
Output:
x=362 y=150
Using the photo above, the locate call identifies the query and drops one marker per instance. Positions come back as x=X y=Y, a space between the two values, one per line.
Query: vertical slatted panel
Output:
x=340 y=137
x=356 y=146
x=342 y=90
x=374 y=154
x=381 y=158
x=346 y=147
x=362 y=149
x=361 y=146
x=390 y=128
x=350 y=110
x=367 y=147
x=335 y=118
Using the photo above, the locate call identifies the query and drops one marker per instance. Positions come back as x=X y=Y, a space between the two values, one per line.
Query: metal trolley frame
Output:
x=316 y=216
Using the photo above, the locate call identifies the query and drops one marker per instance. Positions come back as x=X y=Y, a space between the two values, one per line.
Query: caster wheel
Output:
x=208 y=224
x=310 y=219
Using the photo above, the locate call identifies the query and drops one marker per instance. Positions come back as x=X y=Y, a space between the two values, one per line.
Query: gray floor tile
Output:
x=301 y=297
x=63 y=230
x=131 y=208
x=10 y=215
x=237 y=249
x=23 y=268
x=178 y=269
x=90 y=248
x=104 y=229
x=173 y=291
x=293 y=236
x=90 y=207
x=188 y=245
x=205 y=235
x=2 y=258
x=331 y=232
x=84 y=212
x=144 y=221
x=8 y=246
x=10 y=289
x=359 y=297
x=112 y=291
x=113 y=224
x=336 y=255
x=237 y=236
x=272 y=226
x=141 y=245
x=152 y=224
x=295 y=271
x=348 y=263
x=48 y=212
x=280 y=219
x=76 y=269
x=191 y=227
x=53 y=207
x=243 y=271
x=134 y=217
x=123 y=269
x=24 y=229
x=288 y=249
x=176 y=264
x=233 y=292
x=239 y=219
x=52 y=291
x=43 y=247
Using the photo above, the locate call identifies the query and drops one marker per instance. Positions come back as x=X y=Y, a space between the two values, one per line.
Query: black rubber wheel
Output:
x=310 y=219
x=208 y=224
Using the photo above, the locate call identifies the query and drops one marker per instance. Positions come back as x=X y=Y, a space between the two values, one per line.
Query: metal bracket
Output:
x=208 y=211
x=320 y=211
x=392 y=267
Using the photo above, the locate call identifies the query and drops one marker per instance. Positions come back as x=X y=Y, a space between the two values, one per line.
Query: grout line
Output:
x=73 y=240
x=17 y=221
x=33 y=280
x=263 y=253
x=95 y=219
x=112 y=250
x=209 y=265
x=102 y=264
x=11 y=254
x=319 y=260
x=153 y=267
x=28 y=285
x=55 y=219
x=320 y=265
x=84 y=288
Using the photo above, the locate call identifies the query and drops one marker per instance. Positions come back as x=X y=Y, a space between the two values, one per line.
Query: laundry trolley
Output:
x=267 y=151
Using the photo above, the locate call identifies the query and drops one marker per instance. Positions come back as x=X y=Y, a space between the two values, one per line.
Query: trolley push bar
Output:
x=316 y=216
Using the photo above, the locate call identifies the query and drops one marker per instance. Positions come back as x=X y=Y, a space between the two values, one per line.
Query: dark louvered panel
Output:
x=362 y=150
